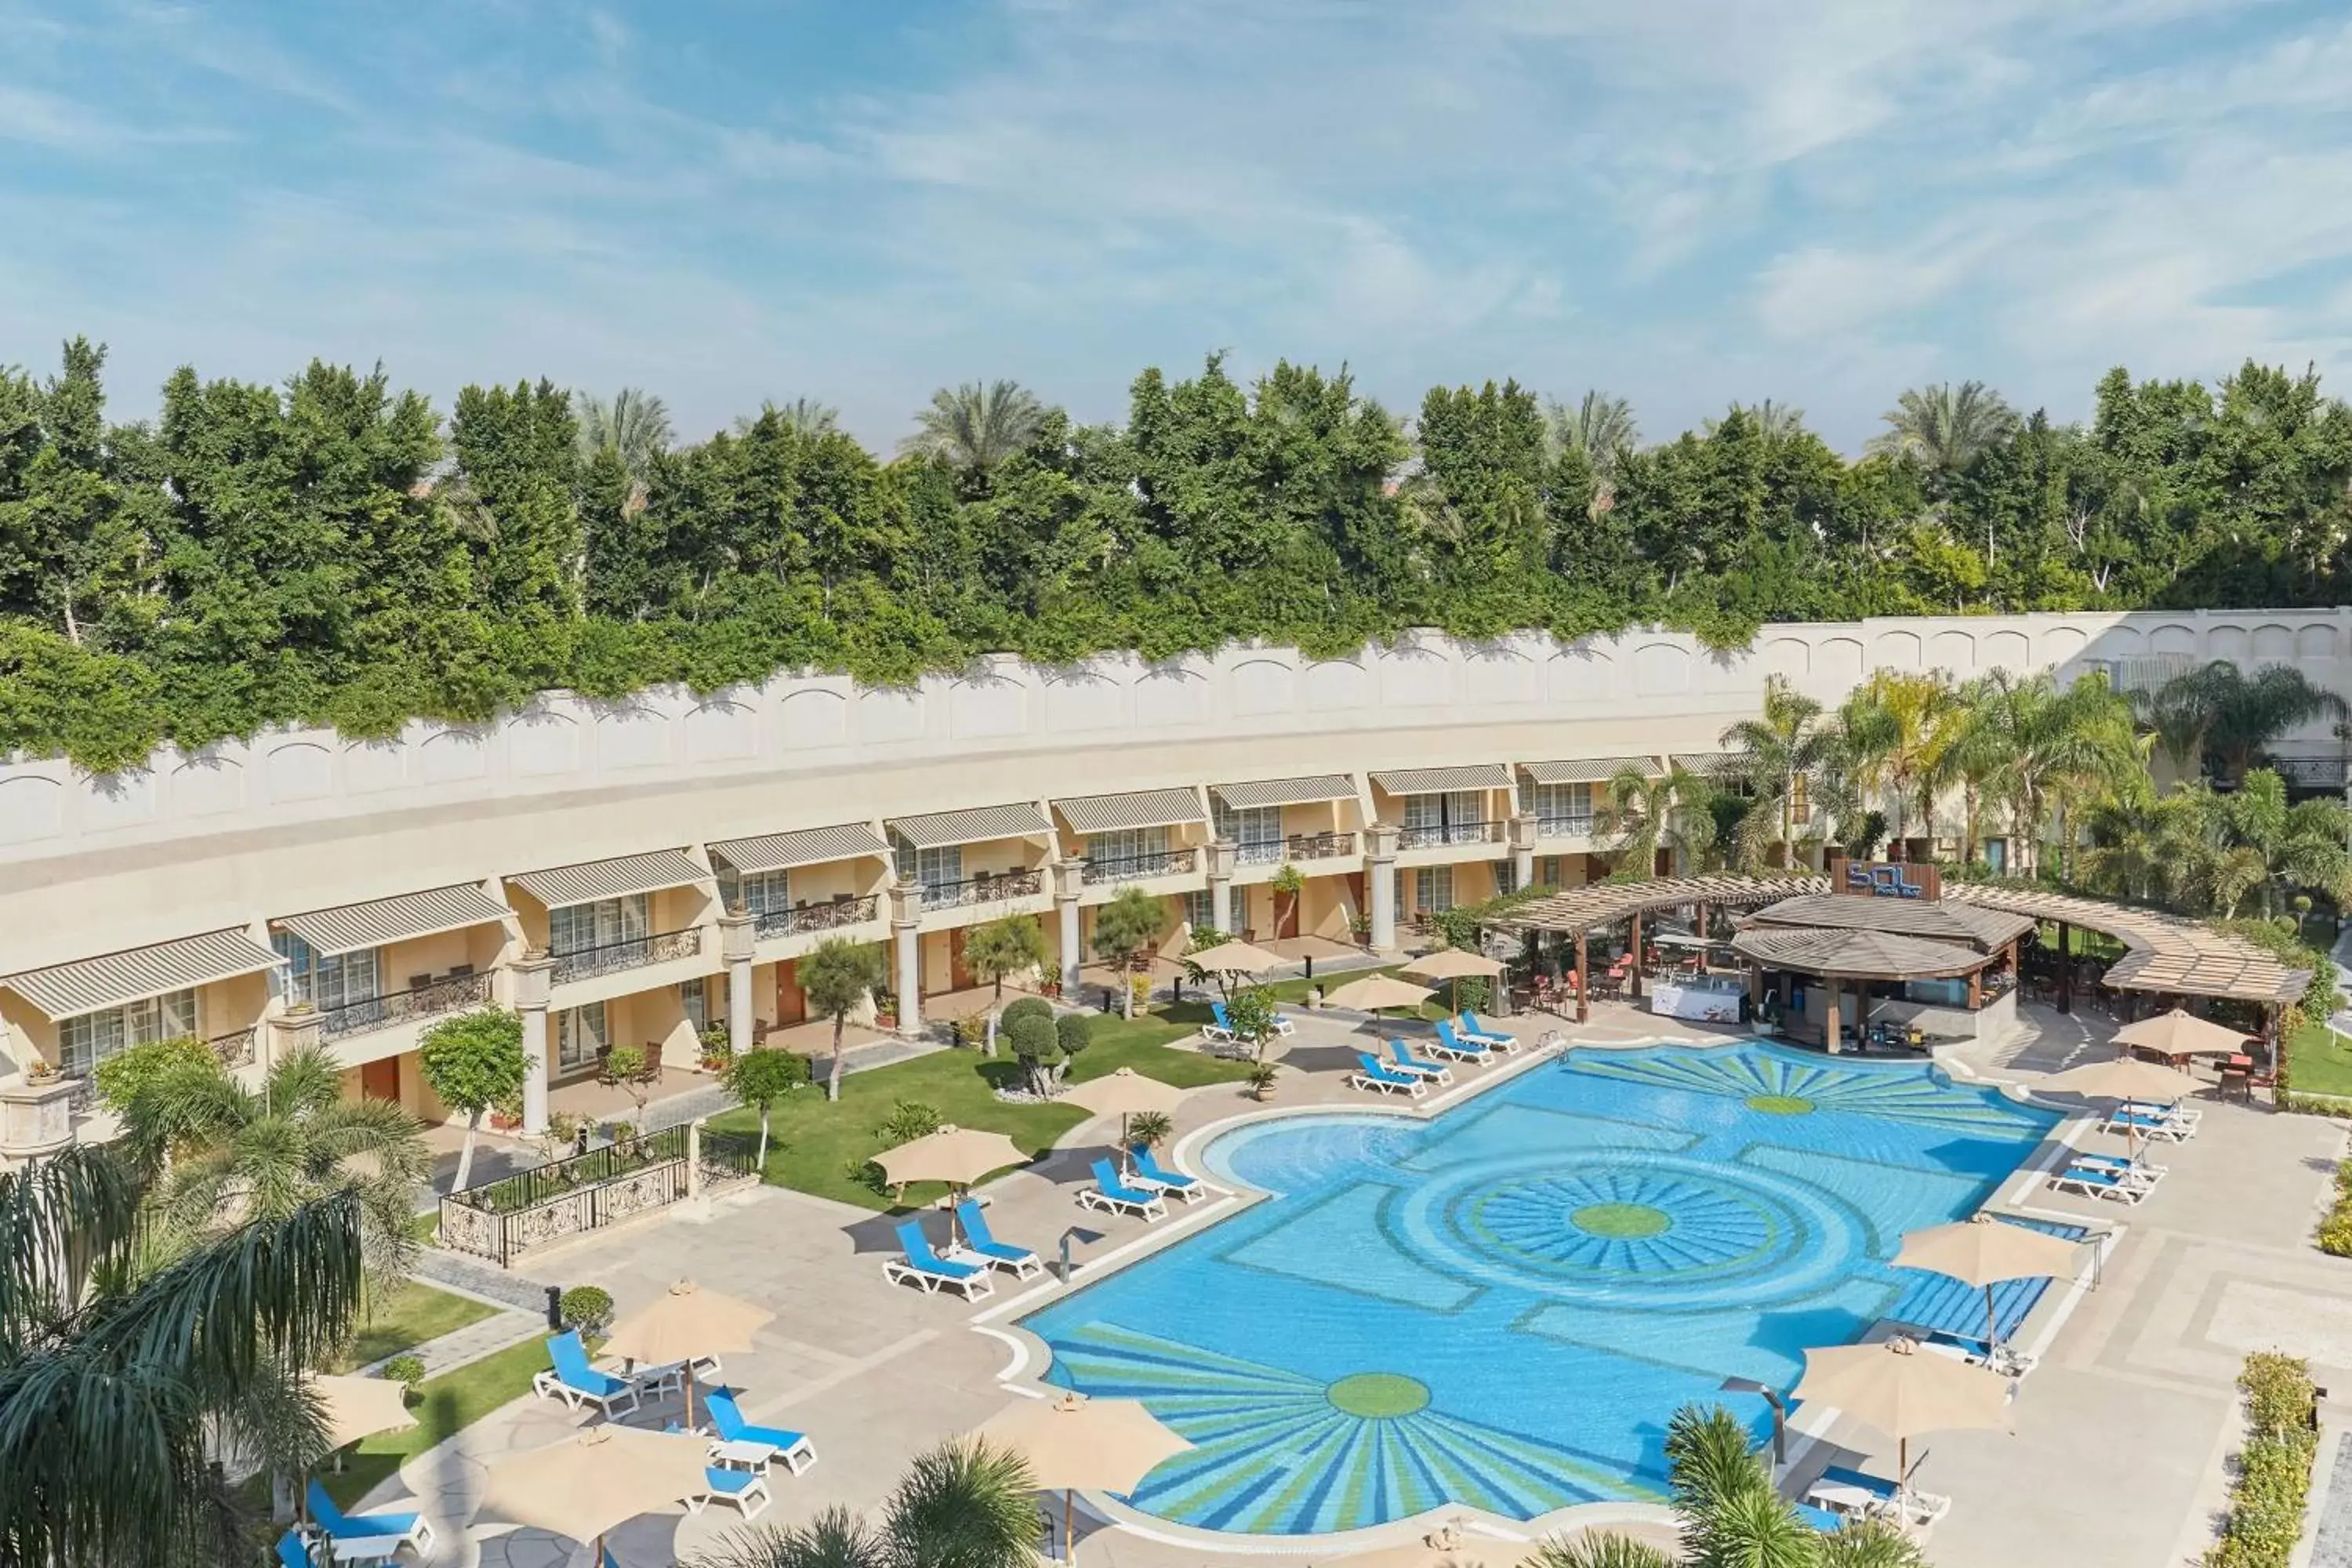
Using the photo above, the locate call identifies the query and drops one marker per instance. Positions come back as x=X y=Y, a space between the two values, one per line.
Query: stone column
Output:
x=534 y=984
x=1834 y=1019
x=36 y=1119
x=1221 y=853
x=283 y=1034
x=905 y=908
x=1523 y=848
x=1069 y=880
x=1584 y=981
x=1380 y=883
x=736 y=937
x=2066 y=968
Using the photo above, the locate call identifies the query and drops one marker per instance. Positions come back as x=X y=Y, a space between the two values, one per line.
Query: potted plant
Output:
x=41 y=1072
x=716 y=1050
x=886 y=1010
x=1362 y=926
x=1261 y=1079
x=505 y=1116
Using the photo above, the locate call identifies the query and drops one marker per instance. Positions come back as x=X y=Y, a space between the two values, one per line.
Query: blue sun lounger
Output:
x=1110 y=1193
x=1818 y=1518
x=1400 y=1058
x=1282 y=1026
x=2097 y=1182
x=1451 y=1044
x=293 y=1552
x=1467 y=1025
x=1374 y=1074
x=919 y=1263
x=358 y=1536
x=727 y=1424
x=1152 y=1173
x=981 y=1243
x=747 y=1490
x=569 y=1378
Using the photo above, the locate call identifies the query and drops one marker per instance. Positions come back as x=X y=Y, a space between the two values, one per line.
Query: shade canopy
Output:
x=2179 y=1033
x=686 y=1321
x=1125 y=1092
x=1077 y=1443
x=359 y=1407
x=2123 y=1078
x=1903 y=1390
x=956 y=1155
x=1983 y=1251
x=1452 y=964
x=596 y=1480
x=1234 y=958
x=1375 y=992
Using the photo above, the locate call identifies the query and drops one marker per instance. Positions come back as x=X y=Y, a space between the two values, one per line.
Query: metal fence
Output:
x=817 y=916
x=501 y=1219
x=434 y=996
x=630 y=952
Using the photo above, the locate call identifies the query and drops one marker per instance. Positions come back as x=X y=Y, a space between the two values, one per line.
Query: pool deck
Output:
x=2120 y=1434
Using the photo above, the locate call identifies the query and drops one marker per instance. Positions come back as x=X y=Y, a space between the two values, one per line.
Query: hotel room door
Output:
x=791 y=1002
x=958 y=977
x=381 y=1079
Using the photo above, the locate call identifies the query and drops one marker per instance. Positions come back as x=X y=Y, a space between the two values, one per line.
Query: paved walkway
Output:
x=2119 y=1441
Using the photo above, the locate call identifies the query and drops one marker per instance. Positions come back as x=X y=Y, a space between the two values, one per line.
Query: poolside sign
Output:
x=1885 y=880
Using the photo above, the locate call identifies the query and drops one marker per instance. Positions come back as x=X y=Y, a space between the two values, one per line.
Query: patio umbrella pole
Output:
x=1993 y=1327
x=1069 y=1547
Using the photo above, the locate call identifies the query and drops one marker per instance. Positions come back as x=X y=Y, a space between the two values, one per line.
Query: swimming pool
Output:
x=1501 y=1307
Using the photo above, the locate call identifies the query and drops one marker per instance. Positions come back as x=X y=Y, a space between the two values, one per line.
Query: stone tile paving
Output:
x=471 y=1343
x=437 y=1266
x=2331 y=1532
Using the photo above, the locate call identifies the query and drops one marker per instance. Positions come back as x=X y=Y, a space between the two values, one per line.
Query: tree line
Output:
x=336 y=549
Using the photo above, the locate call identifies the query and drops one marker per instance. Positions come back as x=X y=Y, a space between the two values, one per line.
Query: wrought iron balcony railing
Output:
x=398 y=1006
x=1319 y=846
x=985 y=888
x=1136 y=868
x=817 y=916
x=1564 y=827
x=1435 y=834
x=630 y=952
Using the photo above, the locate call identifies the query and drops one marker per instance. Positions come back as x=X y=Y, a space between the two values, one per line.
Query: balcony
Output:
x=983 y=889
x=630 y=952
x=1564 y=827
x=1136 y=868
x=809 y=918
x=1437 y=835
x=423 y=1001
x=1319 y=846
x=235 y=1049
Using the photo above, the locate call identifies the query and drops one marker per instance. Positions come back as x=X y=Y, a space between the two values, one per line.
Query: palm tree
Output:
x=1595 y=1549
x=1964 y=753
x=2141 y=845
x=1599 y=430
x=1645 y=814
x=967 y=1503
x=2045 y=749
x=635 y=424
x=802 y=416
x=1768 y=755
x=2290 y=847
x=977 y=426
x=838 y=976
x=2229 y=716
x=117 y=1385
x=1773 y=421
x=226 y=1155
x=1732 y=1516
x=1945 y=426
x=1891 y=728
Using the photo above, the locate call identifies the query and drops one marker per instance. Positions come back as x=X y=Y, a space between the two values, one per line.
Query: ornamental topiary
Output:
x=1025 y=1007
x=1072 y=1032
x=587 y=1307
x=1037 y=1045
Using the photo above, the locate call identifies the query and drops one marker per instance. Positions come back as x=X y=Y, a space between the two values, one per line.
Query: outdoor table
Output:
x=364 y=1548
x=743 y=1453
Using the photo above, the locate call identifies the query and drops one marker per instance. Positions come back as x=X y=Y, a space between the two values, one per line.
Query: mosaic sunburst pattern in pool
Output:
x=1280 y=1453
x=1775 y=1085
x=1622 y=1222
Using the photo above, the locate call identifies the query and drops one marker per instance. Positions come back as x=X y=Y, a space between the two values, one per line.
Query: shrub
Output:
x=1073 y=1032
x=1036 y=1046
x=123 y=1076
x=2336 y=1230
x=408 y=1370
x=2266 y=1500
x=908 y=1119
x=1024 y=1007
x=587 y=1307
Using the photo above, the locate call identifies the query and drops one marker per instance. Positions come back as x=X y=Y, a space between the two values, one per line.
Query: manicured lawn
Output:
x=2318 y=1061
x=818 y=1147
x=445 y=1406
x=411 y=1315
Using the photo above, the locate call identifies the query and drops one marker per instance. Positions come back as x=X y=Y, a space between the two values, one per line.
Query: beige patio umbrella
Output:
x=359 y=1407
x=1234 y=958
x=1903 y=1390
x=1453 y=963
x=2179 y=1033
x=1074 y=1443
x=1375 y=992
x=596 y=1480
x=1983 y=1251
x=2125 y=1079
x=956 y=1155
x=683 y=1323
x=1124 y=1094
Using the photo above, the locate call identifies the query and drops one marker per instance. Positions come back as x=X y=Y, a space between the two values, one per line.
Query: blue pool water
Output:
x=1501 y=1307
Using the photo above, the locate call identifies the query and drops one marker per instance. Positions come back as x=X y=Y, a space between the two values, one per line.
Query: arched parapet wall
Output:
x=297 y=820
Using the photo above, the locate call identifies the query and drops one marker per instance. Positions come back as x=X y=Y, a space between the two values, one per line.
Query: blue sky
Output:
x=1681 y=201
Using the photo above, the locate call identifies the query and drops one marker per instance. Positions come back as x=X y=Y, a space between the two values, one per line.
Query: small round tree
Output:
x=1000 y=948
x=838 y=976
x=1073 y=1032
x=472 y=1062
x=1124 y=928
x=760 y=1078
x=1038 y=1049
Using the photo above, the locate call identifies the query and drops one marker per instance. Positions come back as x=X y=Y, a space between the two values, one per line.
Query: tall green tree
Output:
x=1947 y=427
x=1125 y=928
x=838 y=976
x=1767 y=759
x=472 y=1062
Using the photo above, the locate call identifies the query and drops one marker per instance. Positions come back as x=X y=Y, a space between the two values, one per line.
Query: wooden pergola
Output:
x=1577 y=912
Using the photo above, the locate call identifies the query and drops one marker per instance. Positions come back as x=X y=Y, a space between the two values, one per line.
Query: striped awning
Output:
x=356 y=926
x=810 y=847
x=617 y=878
x=67 y=990
x=1145 y=808
x=1589 y=770
x=1701 y=762
x=1021 y=820
x=1286 y=791
x=1437 y=781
